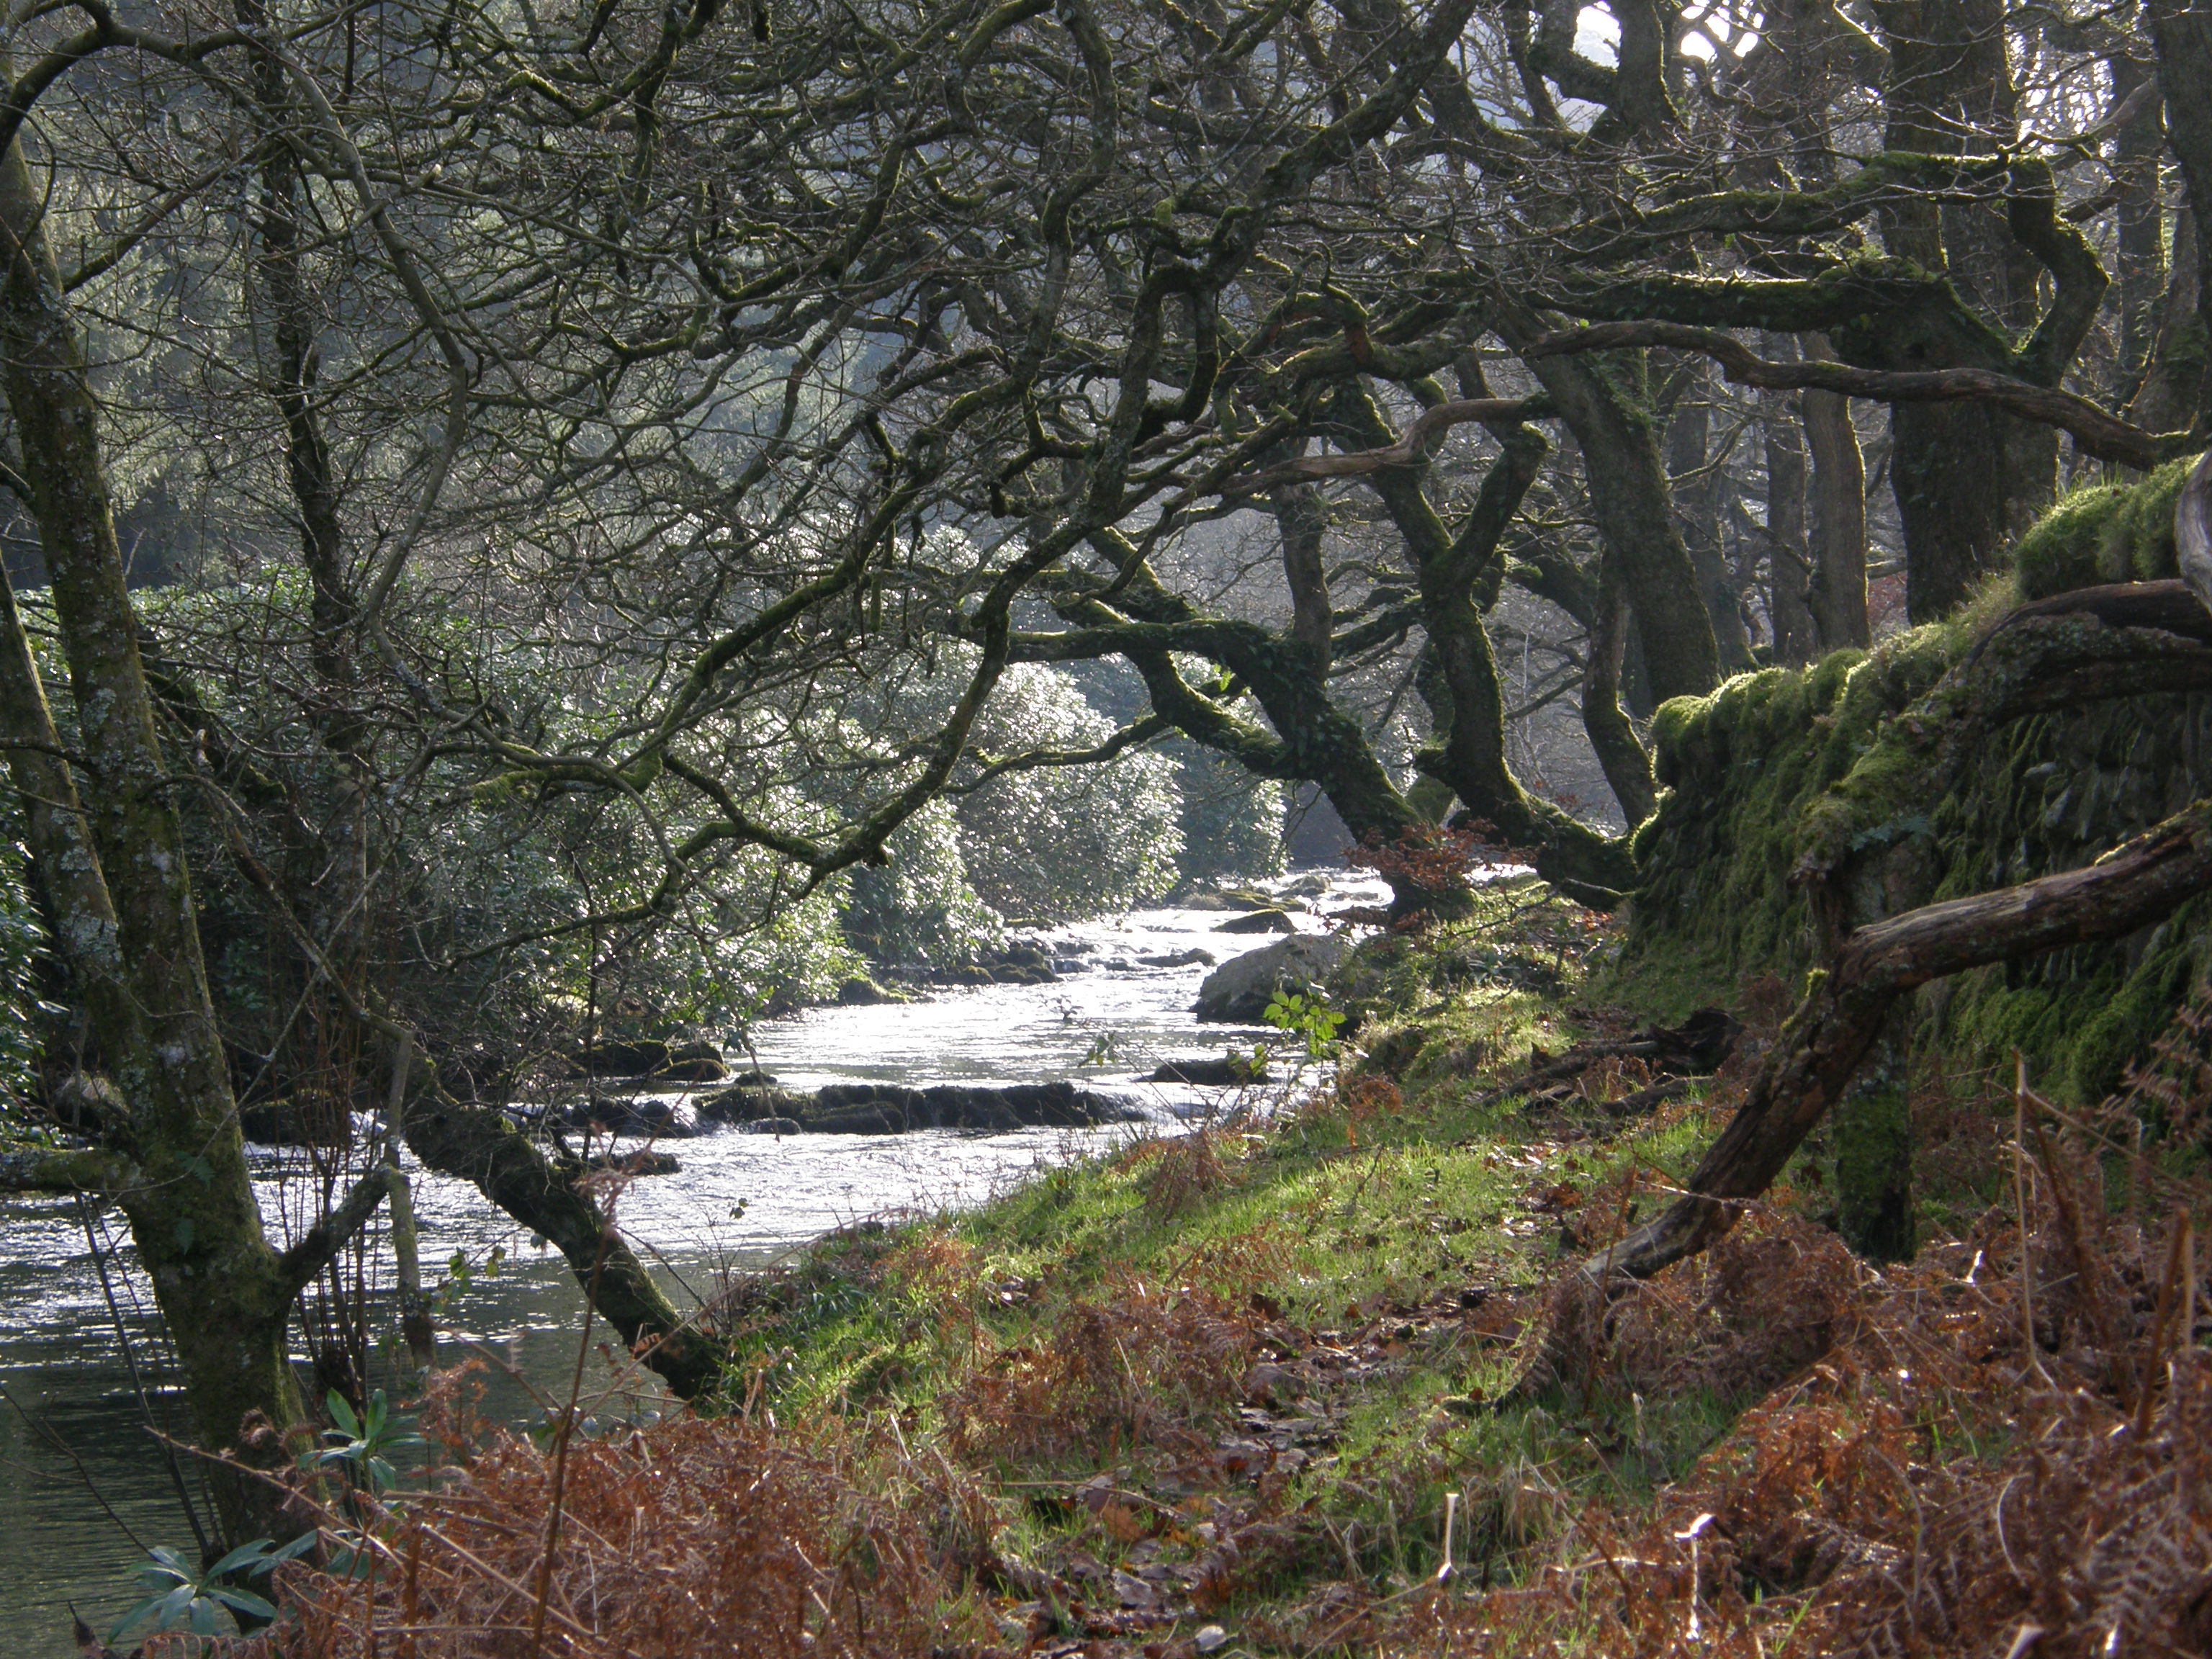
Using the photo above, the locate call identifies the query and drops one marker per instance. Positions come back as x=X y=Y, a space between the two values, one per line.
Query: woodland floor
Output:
x=1227 y=1392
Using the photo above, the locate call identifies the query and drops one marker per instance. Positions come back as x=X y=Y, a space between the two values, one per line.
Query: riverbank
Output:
x=86 y=1391
x=1319 y=1382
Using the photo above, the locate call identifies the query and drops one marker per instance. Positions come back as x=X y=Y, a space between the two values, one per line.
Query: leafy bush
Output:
x=1232 y=822
x=1059 y=843
x=919 y=907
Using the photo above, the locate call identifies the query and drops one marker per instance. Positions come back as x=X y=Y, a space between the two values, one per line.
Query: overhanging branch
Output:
x=320 y=1245
x=1410 y=447
x=2094 y=431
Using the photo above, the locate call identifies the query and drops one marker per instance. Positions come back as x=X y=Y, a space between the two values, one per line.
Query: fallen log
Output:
x=2137 y=884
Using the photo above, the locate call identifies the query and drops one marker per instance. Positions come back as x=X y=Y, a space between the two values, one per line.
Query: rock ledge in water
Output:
x=1212 y=1072
x=879 y=1109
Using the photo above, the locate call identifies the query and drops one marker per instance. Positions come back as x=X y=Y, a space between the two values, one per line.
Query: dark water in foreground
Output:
x=75 y=1419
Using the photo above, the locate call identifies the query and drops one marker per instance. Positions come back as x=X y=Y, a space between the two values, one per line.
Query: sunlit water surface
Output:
x=85 y=1483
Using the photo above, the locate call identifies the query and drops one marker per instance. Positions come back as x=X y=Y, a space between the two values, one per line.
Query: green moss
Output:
x=2104 y=533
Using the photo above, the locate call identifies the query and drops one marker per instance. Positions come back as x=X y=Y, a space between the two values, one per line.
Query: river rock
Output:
x=88 y=1103
x=1212 y=898
x=862 y=992
x=878 y=1109
x=645 y=1115
x=302 y=1121
x=1018 y=965
x=1260 y=921
x=619 y=1058
x=1212 y=1072
x=1238 y=993
x=1192 y=958
x=651 y=1058
x=639 y=1163
x=1360 y=915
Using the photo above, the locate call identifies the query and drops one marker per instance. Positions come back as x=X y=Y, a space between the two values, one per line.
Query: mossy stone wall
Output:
x=1827 y=771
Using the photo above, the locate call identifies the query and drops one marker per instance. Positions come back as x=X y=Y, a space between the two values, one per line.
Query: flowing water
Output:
x=85 y=1484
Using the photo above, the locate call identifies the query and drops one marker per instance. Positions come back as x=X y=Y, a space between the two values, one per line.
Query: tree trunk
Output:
x=1966 y=478
x=222 y=1295
x=1299 y=516
x=2141 y=244
x=1870 y=1135
x=1790 y=581
x=1838 y=537
x=479 y=1145
x=1467 y=750
x=1697 y=497
x=2182 y=347
x=1604 y=399
x=1626 y=764
x=2182 y=31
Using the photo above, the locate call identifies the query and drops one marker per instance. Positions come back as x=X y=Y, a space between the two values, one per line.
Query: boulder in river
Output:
x=876 y=1108
x=1237 y=992
x=1260 y=921
x=1213 y=898
x=639 y=1163
x=300 y=1120
x=651 y=1058
x=862 y=992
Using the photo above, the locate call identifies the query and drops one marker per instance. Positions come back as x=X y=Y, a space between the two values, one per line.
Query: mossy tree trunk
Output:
x=1871 y=1144
x=1790 y=586
x=1620 y=752
x=1605 y=401
x=1465 y=697
x=543 y=1193
x=1966 y=478
x=128 y=926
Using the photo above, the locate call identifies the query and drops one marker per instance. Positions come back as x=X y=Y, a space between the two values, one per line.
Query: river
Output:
x=85 y=1485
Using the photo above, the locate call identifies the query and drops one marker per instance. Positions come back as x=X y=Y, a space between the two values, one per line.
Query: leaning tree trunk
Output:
x=1465 y=697
x=223 y=1292
x=1620 y=753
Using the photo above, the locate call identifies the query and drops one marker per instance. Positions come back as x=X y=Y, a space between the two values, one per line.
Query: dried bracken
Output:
x=1928 y=1480
x=695 y=1536
x=1147 y=1366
